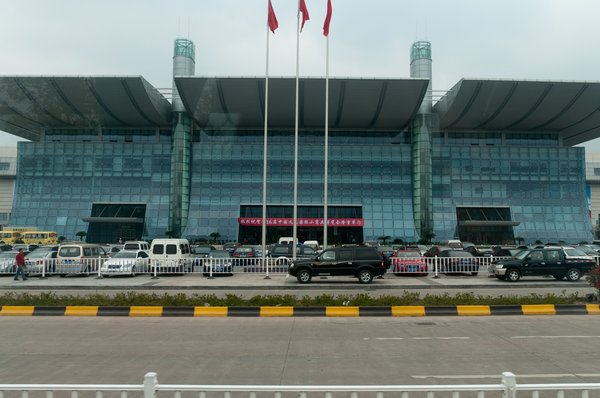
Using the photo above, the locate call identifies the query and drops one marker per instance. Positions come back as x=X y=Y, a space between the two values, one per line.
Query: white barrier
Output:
x=506 y=388
x=102 y=267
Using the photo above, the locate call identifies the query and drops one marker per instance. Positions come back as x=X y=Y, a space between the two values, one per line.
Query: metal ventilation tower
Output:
x=420 y=66
x=184 y=64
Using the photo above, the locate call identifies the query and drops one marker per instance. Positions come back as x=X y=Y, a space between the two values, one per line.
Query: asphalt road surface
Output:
x=429 y=350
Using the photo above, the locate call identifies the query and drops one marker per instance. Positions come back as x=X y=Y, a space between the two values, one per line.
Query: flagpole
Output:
x=295 y=219
x=326 y=171
x=264 y=181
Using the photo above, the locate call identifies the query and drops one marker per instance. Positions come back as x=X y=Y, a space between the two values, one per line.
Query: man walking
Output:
x=20 y=261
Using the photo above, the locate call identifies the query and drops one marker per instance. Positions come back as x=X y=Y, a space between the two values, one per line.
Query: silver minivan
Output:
x=78 y=258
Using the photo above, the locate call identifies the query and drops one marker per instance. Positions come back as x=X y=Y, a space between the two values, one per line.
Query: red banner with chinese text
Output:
x=302 y=222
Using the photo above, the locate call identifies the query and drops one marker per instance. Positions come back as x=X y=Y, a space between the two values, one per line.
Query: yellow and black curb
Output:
x=280 y=311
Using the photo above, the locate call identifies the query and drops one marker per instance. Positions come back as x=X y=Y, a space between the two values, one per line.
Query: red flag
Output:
x=327 y=19
x=273 y=24
x=304 y=11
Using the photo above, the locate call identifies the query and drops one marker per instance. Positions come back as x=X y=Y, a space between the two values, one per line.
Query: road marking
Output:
x=418 y=338
x=555 y=337
x=549 y=375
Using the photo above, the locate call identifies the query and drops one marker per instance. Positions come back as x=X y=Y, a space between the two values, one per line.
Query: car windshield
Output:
x=8 y=254
x=125 y=254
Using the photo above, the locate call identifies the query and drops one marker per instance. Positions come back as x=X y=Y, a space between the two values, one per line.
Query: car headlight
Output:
x=292 y=265
x=499 y=265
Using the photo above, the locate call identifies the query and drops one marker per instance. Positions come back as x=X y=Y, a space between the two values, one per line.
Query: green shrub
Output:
x=362 y=299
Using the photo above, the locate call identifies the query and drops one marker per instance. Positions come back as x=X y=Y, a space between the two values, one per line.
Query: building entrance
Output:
x=485 y=225
x=111 y=222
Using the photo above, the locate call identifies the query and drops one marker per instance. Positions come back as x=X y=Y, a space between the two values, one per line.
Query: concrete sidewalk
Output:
x=256 y=284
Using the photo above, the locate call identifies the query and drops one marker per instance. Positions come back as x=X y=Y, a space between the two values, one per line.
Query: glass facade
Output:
x=368 y=169
x=543 y=185
x=57 y=182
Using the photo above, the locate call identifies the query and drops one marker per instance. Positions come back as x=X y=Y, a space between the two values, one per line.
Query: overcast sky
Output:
x=513 y=39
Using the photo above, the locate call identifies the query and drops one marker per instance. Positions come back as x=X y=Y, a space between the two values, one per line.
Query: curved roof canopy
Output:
x=238 y=102
x=30 y=104
x=572 y=108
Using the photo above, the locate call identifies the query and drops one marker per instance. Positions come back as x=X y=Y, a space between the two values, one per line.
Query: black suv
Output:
x=538 y=262
x=362 y=262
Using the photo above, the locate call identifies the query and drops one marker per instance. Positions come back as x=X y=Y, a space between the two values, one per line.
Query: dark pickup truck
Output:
x=539 y=262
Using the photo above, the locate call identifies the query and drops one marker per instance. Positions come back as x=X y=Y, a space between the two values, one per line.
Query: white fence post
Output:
x=435 y=266
x=150 y=382
x=509 y=381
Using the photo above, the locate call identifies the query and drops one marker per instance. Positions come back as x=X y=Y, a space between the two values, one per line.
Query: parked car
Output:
x=220 y=262
x=283 y=253
x=137 y=245
x=230 y=246
x=44 y=257
x=244 y=256
x=458 y=261
x=434 y=251
x=170 y=255
x=409 y=262
x=126 y=262
x=7 y=261
x=76 y=258
x=362 y=262
x=111 y=250
x=202 y=251
x=537 y=262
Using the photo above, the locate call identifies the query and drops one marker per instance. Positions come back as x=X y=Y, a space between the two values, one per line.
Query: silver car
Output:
x=126 y=262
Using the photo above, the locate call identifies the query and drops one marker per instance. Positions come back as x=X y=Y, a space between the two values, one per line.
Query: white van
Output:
x=135 y=245
x=170 y=255
x=287 y=241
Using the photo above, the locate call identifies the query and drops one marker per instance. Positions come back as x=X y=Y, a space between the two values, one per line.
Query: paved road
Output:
x=435 y=350
x=248 y=285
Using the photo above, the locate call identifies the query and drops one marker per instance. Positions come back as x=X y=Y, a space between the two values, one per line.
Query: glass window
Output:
x=171 y=249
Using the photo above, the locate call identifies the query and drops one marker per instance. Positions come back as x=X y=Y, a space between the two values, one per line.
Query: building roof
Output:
x=238 y=102
x=28 y=104
x=572 y=108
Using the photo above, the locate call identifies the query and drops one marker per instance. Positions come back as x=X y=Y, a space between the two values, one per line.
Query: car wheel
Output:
x=365 y=276
x=558 y=277
x=573 y=275
x=513 y=275
x=304 y=276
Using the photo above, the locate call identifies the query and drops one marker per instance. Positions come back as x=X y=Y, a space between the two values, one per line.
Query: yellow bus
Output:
x=9 y=237
x=39 y=237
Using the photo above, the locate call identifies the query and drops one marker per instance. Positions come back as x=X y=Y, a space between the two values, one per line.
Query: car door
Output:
x=326 y=262
x=535 y=263
x=555 y=264
x=344 y=265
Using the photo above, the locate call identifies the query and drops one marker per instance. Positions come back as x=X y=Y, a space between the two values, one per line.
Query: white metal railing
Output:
x=102 y=267
x=506 y=388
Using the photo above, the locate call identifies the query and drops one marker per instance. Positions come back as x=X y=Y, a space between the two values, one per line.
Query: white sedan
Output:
x=126 y=262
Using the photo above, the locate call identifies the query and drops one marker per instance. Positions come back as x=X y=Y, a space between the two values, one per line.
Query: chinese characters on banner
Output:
x=302 y=222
